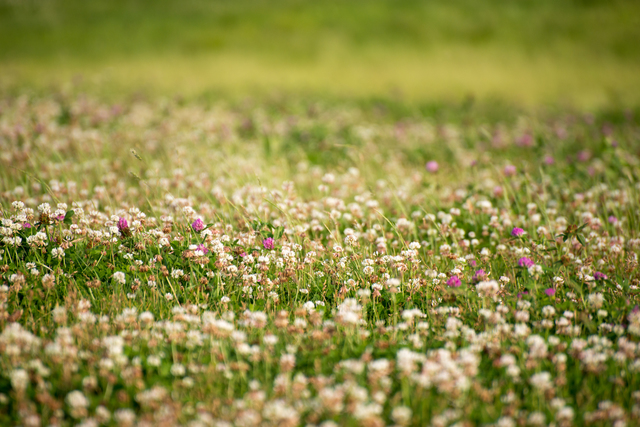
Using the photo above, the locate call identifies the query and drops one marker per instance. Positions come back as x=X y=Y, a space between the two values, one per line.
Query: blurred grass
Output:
x=580 y=52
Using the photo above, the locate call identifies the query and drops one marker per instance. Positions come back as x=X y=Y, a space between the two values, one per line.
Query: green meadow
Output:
x=344 y=213
x=579 y=53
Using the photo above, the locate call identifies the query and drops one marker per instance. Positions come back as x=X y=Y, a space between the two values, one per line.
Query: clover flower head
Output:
x=268 y=243
x=600 y=276
x=197 y=225
x=526 y=262
x=454 y=282
x=122 y=224
x=517 y=232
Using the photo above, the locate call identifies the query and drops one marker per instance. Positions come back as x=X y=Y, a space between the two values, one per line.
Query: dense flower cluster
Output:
x=212 y=287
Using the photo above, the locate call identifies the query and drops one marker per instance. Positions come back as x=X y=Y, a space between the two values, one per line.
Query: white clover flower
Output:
x=488 y=288
x=595 y=300
x=119 y=277
x=178 y=370
x=125 y=417
x=541 y=381
x=154 y=360
x=401 y=415
x=57 y=253
x=44 y=208
x=19 y=380
x=76 y=399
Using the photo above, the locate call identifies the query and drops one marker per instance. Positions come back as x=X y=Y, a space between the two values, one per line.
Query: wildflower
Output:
x=509 y=170
x=125 y=417
x=599 y=276
x=197 y=225
x=595 y=300
x=119 y=277
x=59 y=314
x=517 y=232
x=525 y=262
x=541 y=381
x=479 y=275
x=583 y=155
x=351 y=240
x=550 y=292
x=57 y=253
x=102 y=414
x=44 y=208
x=454 y=282
x=178 y=370
x=19 y=379
x=268 y=243
x=78 y=404
x=488 y=289
x=565 y=414
x=48 y=281
x=123 y=225
x=202 y=248
x=401 y=415
x=432 y=166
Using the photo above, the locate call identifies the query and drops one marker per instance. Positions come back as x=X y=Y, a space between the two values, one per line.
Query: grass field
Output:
x=319 y=264
x=579 y=53
x=347 y=213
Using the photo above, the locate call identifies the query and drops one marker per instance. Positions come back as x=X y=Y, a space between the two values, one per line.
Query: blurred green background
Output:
x=583 y=53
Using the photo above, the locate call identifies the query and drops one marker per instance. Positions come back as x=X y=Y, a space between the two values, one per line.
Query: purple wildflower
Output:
x=432 y=166
x=202 y=248
x=60 y=217
x=549 y=160
x=268 y=243
x=525 y=140
x=517 y=232
x=526 y=262
x=509 y=170
x=454 y=282
x=479 y=276
x=26 y=225
x=583 y=155
x=612 y=219
x=472 y=262
x=599 y=276
x=550 y=292
x=123 y=227
x=122 y=224
x=197 y=225
x=521 y=294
